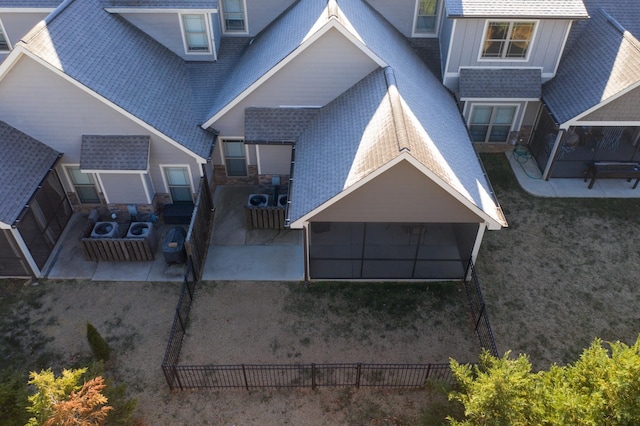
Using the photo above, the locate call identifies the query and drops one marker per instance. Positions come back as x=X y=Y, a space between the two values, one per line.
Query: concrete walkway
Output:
x=529 y=177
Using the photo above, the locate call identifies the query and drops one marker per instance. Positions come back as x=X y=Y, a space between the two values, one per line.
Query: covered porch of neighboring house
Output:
x=566 y=153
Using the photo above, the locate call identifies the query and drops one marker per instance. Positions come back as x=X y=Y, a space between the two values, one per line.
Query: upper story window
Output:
x=507 y=40
x=4 y=41
x=196 y=33
x=233 y=16
x=426 y=17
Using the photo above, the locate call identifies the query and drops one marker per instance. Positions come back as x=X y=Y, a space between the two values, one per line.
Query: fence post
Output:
x=479 y=316
x=180 y=319
x=428 y=373
x=358 y=375
x=313 y=376
x=244 y=374
x=175 y=374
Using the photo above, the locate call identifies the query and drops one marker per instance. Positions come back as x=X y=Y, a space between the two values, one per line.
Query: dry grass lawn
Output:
x=564 y=272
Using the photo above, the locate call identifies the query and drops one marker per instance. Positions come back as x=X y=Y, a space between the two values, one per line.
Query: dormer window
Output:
x=426 y=17
x=233 y=16
x=507 y=40
x=4 y=41
x=196 y=33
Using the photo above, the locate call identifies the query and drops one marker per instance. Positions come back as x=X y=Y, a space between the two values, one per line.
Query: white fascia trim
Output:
x=4 y=225
x=333 y=23
x=121 y=10
x=603 y=103
x=491 y=222
x=26 y=9
x=26 y=253
x=601 y=123
x=102 y=99
x=489 y=100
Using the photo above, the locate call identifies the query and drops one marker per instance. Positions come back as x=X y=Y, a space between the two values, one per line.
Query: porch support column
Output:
x=552 y=156
x=26 y=253
x=305 y=246
x=476 y=245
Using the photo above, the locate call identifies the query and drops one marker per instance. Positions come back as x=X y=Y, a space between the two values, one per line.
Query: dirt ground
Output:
x=564 y=272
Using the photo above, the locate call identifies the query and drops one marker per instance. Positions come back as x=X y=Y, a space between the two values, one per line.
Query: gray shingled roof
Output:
x=264 y=125
x=124 y=65
x=602 y=61
x=114 y=153
x=24 y=163
x=573 y=9
x=626 y=12
x=500 y=83
x=401 y=109
x=30 y=3
x=162 y=4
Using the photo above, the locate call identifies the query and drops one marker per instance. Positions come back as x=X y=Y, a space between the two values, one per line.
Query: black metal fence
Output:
x=251 y=376
x=179 y=326
x=479 y=311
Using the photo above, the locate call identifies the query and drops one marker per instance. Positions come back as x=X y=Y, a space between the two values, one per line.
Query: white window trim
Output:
x=166 y=184
x=207 y=24
x=222 y=23
x=96 y=181
x=515 y=124
x=536 y=25
x=6 y=38
x=224 y=157
x=436 y=30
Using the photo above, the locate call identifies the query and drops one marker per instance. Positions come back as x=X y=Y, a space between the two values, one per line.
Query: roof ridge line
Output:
x=397 y=111
x=45 y=22
x=618 y=26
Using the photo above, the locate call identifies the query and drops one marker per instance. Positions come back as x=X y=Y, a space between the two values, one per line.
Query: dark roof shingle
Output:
x=24 y=163
x=500 y=83
x=114 y=153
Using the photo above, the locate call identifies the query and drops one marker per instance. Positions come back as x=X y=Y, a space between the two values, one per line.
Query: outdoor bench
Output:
x=612 y=170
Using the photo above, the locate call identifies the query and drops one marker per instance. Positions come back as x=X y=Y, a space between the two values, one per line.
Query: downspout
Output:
x=554 y=152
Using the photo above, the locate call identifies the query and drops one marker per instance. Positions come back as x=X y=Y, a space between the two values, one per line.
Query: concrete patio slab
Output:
x=254 y=263
x=530 y=179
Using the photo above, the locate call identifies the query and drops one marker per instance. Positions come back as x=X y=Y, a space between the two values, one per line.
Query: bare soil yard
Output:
x=564 y=272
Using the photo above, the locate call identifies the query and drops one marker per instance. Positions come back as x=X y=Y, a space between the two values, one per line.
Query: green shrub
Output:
x=13 y=398
x=99 y=346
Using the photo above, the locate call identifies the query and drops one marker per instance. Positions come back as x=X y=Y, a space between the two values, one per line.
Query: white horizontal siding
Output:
x=260 y=13
x=400 y=13
x=123 y=188
x=274 y=159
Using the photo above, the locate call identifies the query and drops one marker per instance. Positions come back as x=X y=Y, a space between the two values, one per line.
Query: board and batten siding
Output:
x=327 y=68
x=400 y=13
x=274 y=159
x=400 y=194
x=57 y=113
x=124 y=188
x=260 y=13
x=467 y=40
x=625 y=108
x=165 y=29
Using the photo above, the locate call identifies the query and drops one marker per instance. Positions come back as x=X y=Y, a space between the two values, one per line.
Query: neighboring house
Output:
x=372 y=109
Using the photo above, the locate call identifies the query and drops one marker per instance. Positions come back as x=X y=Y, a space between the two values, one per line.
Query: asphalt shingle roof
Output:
x=500 y=83
x=124 y=65
x=30 y=3
x=24 y=163
x=264 y=125
x=602 y=61
x=401 y=109
x=574 y=9
x=162 y=4
x=114 y=153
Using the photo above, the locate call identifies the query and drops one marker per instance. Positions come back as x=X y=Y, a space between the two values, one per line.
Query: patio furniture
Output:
x=613 y=170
